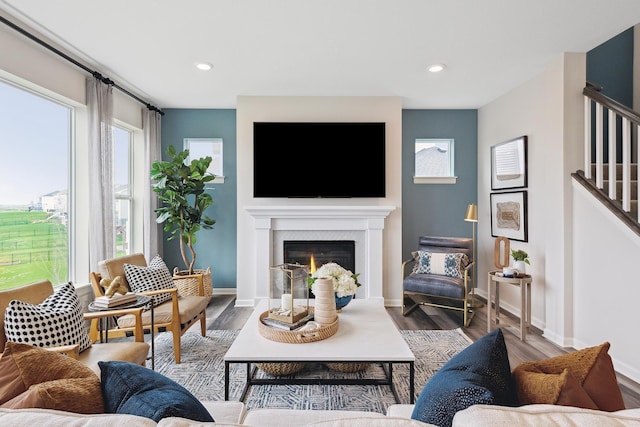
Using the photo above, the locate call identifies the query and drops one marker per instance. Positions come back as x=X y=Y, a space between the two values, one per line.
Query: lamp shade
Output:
x=472 y=213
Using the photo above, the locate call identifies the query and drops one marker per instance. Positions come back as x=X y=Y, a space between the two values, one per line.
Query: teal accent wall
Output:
x=438 y=209
x=427 y=209
x=610 y=65
x=215 y=248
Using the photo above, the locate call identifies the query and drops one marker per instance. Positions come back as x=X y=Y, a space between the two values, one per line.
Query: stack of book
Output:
x=115 y=300
x=279 y=324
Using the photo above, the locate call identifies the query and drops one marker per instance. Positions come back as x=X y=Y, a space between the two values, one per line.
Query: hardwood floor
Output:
x=221 y=314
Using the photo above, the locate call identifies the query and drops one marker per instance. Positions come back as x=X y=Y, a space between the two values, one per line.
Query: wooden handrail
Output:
x=612 y=104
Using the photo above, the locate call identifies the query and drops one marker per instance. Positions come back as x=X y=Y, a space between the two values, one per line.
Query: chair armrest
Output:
x=173 y=291
x=404 y=265
x=138 y=332
x=72 y=350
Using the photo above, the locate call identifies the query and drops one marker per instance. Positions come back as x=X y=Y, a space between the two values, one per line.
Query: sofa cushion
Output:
x=478 y=374
x=31 y=377
x=155 y=277
x=443 y=263
x=543 y=415
x=132 y=389
x=369 y=421
x=583 y=378
x=56 y=321
x=52 y=418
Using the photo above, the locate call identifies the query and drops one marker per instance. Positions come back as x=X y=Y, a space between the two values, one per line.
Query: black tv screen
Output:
x=327 y=160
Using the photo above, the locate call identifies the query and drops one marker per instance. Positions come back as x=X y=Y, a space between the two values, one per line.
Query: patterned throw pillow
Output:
x=445 y=264
x=155 y=277
x=56 y=321
x=479 y=374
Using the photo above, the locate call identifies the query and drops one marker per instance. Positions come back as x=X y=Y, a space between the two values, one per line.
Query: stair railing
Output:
x=595 y=145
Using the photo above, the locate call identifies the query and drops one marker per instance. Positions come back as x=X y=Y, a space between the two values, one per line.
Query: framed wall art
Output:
x=509 y=215
x=509 y=164
x=201 y=147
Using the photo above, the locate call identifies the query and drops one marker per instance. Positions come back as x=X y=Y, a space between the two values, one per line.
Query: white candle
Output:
x=285 y=302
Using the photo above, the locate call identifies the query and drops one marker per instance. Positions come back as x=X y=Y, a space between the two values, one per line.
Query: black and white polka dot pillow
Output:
x=152 y=278
x=55 y=322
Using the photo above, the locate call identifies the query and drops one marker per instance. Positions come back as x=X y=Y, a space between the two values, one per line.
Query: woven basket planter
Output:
x=189 y=284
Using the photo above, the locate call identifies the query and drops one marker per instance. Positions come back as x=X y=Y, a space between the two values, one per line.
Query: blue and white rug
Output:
x=202 y=372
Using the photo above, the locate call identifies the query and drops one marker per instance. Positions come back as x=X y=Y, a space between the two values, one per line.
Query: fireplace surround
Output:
x=362 y=224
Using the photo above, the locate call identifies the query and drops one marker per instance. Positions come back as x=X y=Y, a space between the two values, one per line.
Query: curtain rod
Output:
x=78 y=64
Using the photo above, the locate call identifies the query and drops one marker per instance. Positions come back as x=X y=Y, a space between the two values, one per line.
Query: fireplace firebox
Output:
x=339 y=251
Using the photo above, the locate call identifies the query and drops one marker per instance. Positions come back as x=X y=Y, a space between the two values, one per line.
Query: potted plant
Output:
x=181 y=189
x=521 y=258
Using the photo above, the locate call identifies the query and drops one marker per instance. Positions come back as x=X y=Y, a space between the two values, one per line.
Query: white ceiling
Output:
x=328 y=47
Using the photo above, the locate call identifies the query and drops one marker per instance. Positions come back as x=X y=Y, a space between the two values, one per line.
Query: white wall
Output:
x=312 y=108
x=538 y=109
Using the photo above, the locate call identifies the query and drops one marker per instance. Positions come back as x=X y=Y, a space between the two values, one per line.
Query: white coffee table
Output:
x=366 y=334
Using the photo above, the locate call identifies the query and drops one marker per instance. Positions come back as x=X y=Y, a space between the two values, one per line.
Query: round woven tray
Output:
x=295 y=337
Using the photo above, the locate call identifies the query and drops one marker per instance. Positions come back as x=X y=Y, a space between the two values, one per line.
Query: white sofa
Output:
x=234 y=414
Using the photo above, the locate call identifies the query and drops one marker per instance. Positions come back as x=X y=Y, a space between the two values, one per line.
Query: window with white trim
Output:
x=434 y=161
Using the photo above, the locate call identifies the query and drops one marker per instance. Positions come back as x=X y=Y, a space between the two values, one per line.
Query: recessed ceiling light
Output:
x=436 y=68
x=204 y=66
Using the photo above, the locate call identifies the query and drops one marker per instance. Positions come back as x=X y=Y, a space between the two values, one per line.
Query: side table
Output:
x=524 y=282
x=141 y=301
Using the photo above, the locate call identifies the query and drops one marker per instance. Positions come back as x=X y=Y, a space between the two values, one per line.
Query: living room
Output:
x=579 y=298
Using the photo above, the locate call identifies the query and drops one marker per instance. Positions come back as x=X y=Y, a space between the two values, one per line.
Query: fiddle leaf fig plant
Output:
x=520 y=255
x=181 y=189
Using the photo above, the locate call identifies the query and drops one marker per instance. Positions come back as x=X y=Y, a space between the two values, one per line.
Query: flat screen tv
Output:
x=318 y=160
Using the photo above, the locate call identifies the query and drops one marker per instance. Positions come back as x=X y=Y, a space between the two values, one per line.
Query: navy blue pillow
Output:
x=479 y=374
x=132 y=389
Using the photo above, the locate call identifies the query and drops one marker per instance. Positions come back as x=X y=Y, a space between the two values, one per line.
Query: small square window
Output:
x=434 y=161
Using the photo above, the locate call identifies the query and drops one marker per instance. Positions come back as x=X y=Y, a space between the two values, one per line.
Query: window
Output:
x=203 y=147
x=35 y=137
x=122 y=148
x=434 y=161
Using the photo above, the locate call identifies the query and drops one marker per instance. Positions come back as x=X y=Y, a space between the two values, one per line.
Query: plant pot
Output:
x=521 y=266
x=189 y=284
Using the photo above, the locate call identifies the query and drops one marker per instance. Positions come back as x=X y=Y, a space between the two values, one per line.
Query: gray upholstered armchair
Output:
x=441 y=275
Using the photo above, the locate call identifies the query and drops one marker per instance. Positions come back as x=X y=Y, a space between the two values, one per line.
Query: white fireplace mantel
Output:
x=364 y=222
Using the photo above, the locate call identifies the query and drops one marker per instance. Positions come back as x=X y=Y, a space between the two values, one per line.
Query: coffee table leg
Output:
x=412 y=387
x=226 y=380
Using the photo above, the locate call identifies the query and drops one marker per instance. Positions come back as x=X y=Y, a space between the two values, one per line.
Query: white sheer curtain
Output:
x=101 y=221
x=152 y=152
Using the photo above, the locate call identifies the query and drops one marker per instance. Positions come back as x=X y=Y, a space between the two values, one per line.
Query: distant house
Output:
x=432 y=161
x=54 y=202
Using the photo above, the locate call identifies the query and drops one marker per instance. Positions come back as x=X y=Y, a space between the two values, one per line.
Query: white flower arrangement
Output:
x=345 y=282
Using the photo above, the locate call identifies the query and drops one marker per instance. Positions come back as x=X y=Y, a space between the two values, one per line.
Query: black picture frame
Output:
x=509 y=164
x=509 y=215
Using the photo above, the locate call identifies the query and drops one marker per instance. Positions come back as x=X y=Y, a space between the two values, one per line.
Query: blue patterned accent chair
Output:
x=440 y=275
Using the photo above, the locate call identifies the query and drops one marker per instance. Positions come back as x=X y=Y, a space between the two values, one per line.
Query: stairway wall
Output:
x=606 y=289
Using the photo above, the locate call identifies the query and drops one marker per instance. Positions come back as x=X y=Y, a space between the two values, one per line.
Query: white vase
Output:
x=521 y=266
x=325 y=304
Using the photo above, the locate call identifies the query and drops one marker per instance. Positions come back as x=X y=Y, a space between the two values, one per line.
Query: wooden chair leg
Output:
x=203 y=323
x=176 y=345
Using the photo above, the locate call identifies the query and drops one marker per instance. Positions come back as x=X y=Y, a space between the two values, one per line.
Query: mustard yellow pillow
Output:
x=583 y=378
x=33 y=377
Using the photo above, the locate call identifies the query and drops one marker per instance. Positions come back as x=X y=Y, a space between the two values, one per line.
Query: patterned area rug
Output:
x=202 y=373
